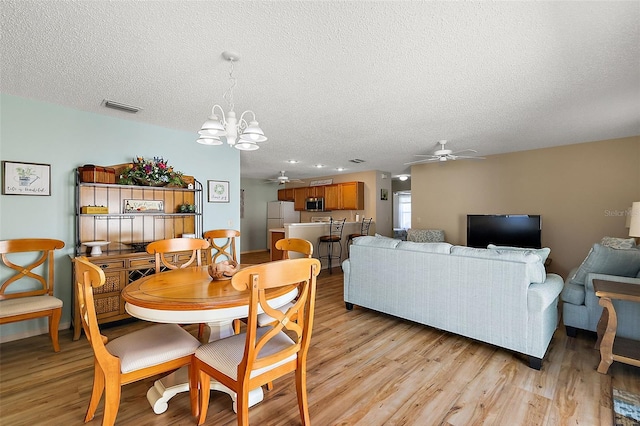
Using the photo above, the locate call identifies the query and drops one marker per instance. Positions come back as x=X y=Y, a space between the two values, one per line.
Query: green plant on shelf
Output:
x=156 y=172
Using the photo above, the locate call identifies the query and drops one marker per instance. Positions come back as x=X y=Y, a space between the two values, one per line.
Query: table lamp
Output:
x=634 y=220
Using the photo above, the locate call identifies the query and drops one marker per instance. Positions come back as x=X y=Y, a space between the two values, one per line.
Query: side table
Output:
x=612 y=348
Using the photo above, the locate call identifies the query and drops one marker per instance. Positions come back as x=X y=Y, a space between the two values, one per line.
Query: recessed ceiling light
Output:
x=292 y=161
x=403 y=177
x=319 y=166
x=340 y=169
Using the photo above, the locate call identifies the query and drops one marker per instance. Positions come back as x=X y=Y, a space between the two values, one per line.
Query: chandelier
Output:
x=238 y=133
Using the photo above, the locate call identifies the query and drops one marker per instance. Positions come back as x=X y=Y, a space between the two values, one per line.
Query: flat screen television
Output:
x=517 y=230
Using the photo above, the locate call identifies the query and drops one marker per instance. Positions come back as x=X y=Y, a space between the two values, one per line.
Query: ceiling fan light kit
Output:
x=238 y=133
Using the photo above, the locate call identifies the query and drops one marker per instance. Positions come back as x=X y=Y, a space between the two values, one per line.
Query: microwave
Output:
x=314 y=205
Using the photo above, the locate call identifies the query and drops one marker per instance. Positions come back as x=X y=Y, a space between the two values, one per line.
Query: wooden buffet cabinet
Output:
x=125 y=258
x=338 y=196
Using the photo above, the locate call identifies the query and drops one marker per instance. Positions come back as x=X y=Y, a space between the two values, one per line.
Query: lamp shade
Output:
x=209 y=140
x=243 y=145
x=253 y=133
x=213 y=127
x=634 y=228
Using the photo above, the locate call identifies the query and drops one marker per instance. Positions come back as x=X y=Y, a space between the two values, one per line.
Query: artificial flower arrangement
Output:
x=154 y=172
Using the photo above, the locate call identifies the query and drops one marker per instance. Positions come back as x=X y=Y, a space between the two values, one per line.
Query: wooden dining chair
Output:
x=144 y=353
x=33 y=296
x=161 y=248
x=286 y=245
x=228 y=249
x=170 y=246
x=296 y=245
x=262 y=354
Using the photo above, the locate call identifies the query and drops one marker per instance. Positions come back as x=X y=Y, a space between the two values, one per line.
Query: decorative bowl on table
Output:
x=223 y=270
x=96 y=246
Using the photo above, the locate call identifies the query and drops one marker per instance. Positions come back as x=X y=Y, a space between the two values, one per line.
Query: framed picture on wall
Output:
x=20 y=178
x=218 y=191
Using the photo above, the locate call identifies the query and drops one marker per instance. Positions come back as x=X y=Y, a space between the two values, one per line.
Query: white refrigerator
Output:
x=279 y=213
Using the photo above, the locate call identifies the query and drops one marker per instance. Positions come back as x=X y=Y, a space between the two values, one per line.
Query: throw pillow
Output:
x=543 y=252
x=618 y=243
x=425 y=235
x=609 y=261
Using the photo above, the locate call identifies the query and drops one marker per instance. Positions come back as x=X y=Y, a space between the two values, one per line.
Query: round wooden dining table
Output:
x=191 y=296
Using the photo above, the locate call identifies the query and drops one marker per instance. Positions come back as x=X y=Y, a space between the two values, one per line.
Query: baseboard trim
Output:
x=33 y=332
x=254 y=251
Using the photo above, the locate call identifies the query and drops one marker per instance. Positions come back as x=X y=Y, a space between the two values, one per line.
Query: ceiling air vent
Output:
x=357 y=161
x=120 y=106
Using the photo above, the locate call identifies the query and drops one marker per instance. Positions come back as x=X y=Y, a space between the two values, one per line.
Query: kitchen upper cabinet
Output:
x=286 y=194
x=352 y=195
x=300 y=198
x=344 y=196
x=315 y=191
x=339 y=196
x=332 y=196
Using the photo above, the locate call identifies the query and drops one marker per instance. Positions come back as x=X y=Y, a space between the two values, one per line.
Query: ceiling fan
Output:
x=282 y=179
x=444 y=154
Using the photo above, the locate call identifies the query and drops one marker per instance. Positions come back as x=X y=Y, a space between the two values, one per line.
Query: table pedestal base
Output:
x=166 y=388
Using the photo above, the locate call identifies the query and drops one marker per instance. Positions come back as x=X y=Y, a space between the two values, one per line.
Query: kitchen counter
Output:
x=312 y=232
x=275 y=234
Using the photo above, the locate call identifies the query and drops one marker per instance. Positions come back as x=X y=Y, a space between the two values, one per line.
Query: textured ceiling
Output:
x=331 y=81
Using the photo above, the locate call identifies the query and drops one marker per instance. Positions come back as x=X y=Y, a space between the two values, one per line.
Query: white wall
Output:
x=38 y=132
x=257 y=194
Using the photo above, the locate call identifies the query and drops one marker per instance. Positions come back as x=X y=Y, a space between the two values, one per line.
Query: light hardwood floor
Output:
x=365 y=368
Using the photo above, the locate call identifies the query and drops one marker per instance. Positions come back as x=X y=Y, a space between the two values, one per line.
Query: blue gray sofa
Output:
x=499 y=296
x=612 y=259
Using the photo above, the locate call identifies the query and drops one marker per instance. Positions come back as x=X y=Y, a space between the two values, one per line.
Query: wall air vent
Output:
x=120 y=106
x=357 y=161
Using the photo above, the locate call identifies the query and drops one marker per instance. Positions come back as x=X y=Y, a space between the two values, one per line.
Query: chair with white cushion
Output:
x=288 y=245
x=32 y=297
x=161 y=248
x=262 y=354
x=144 y=353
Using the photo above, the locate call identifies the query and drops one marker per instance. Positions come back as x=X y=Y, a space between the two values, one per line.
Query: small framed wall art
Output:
x=20 y=178
x=218 y=191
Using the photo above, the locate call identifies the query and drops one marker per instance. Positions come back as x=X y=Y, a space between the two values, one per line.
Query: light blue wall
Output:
x=38 y=132
x=257 y=194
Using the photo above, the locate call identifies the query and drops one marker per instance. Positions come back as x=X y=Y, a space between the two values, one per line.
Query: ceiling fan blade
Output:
x=425 y=155
x=426 y=160
x=467 y=157
x=464 y=150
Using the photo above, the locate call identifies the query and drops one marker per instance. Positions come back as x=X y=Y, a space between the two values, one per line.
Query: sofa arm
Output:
x=590 y=277
x=346 y=268
x=541 y=295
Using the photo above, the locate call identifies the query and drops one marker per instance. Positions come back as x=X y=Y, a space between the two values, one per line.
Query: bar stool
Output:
x=364 y=230
x=334 y=238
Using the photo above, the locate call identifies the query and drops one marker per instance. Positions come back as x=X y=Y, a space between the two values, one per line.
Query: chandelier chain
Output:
x=228 y=95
